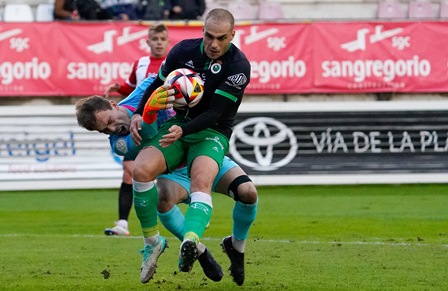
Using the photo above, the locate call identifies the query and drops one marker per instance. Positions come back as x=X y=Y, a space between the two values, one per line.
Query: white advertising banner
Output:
x=42 y=147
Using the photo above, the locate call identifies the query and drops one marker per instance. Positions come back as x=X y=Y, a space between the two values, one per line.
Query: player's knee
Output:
x=165 y=204
x=248 y=193
x=143 y=174
x=201 y=185
x=169 y=195
x=243 y=189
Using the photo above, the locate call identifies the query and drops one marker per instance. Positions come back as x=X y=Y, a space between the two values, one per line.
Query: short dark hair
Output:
x=221 y=14
x=86 y=109
x=157 y=27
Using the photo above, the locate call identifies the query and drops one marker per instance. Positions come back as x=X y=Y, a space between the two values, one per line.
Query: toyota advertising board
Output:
x=354 y=142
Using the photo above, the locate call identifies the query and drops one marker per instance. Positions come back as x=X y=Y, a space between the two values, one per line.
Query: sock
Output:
x=151 y=240
x=124 y=201
x=197 y=216
x=145 y=205
x=201 y=248
x=243 y=217
x=239 y=245
x=173 y=221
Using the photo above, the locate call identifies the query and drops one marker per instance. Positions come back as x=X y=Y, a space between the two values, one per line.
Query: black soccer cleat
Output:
x=236 y=260
x=188 y=255
x=211 y=268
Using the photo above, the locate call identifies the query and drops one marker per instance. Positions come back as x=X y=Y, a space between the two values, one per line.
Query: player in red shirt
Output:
x=146 y=66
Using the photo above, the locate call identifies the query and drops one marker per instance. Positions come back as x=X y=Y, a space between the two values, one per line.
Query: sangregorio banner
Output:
x=286 y=58
x=42 y=147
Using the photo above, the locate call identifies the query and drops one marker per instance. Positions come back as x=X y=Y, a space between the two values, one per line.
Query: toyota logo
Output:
x=263 y=142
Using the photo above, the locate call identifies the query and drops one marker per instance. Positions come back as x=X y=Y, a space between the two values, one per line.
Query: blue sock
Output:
x=173 y=221
x=243 y=217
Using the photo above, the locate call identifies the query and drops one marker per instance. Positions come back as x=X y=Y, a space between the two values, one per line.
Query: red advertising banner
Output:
x=280 y=56
x=79 y=59
x=380 y=57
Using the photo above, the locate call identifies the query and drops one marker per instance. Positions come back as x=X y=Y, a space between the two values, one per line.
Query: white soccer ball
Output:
x=188 y=85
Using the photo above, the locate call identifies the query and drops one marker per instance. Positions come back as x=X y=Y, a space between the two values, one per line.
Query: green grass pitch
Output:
x=377 y=237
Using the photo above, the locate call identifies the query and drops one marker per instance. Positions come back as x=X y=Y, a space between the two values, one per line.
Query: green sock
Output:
x=196 y=219
x=145 y=205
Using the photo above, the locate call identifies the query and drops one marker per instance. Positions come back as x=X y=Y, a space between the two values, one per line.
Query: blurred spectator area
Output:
x=302 y=9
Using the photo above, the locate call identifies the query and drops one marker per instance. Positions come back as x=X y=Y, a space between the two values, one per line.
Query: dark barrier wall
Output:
x=365 y=140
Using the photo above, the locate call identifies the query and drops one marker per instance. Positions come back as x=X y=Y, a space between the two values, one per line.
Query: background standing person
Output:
x=142 y=68
x=155 y=9
x=79 y=10
x=121 y=9
x=65 y=10
x=91 y=10
x=187 y=9
x=199 y=134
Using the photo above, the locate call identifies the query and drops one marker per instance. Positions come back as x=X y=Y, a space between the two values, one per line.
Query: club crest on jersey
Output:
x=237 y=80
x=120 y=146
x=215 y=68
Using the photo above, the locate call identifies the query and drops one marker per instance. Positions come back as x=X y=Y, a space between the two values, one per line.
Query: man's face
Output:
x=217 y=37
x=158 y=42
x=113 y=121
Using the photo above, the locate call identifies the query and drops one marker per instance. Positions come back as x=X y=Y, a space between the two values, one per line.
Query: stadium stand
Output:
x=212 y=5
x=18 y=13
x=389 y=9
x=243 y=10
x=44 y=12
x=443 y=10
x=421 y=9
x=270 y=11
x=301 y=9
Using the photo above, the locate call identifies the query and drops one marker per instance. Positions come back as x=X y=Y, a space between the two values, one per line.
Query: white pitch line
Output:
x=315 y=242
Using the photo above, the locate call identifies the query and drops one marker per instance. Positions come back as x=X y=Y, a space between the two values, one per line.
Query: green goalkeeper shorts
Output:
x=207 y=142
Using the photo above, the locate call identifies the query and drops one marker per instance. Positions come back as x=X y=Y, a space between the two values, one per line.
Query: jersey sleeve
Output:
x=164 y=115
x=235 y=80
x=128 y=86
x=134 y=97
x=123 y=145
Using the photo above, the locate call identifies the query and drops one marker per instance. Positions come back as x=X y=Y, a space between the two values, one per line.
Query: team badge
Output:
x=216 y=68
x=120 y=146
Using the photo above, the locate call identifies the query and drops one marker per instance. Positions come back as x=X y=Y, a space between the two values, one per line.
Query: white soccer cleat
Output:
x=150 y=256
x=117 y=230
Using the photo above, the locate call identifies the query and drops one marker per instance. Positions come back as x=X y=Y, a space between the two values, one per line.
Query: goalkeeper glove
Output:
x=158 y=100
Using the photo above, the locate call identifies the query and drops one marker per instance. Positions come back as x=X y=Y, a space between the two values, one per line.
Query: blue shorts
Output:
x=180 y=176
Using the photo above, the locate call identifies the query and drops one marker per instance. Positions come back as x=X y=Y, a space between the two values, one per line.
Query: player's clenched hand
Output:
x=170 y=138
x=136 y=125
x=160 y=99
x=112 y=88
